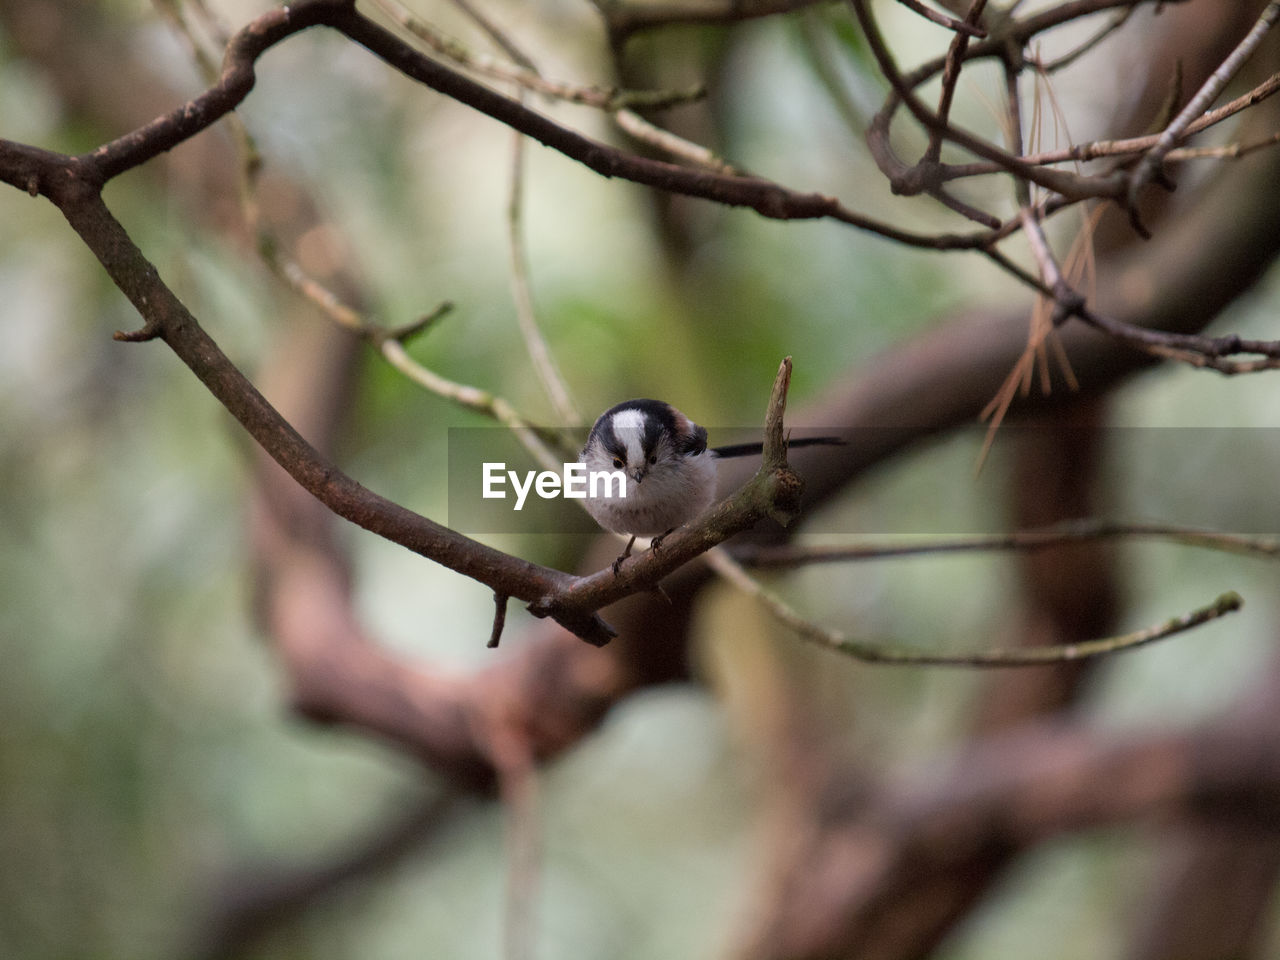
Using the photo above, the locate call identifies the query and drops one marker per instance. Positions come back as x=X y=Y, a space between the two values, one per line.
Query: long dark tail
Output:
x=755 y=449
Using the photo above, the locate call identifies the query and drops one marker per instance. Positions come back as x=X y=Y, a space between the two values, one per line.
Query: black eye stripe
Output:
x=653 y=429
x=603 y=431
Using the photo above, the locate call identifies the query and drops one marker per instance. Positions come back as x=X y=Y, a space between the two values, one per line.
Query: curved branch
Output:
x=73 y=184
x=168 y=319
x=873 y=651
x=237 y=79
x=766 y=197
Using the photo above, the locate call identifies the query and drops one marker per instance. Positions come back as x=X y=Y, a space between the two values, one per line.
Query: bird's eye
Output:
x=653 y=458
x=617 y=463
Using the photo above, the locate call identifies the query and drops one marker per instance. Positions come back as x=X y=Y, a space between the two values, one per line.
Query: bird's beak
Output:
x=638 y=473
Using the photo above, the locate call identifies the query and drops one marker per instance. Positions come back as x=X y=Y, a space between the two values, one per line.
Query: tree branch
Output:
x=1151 y=164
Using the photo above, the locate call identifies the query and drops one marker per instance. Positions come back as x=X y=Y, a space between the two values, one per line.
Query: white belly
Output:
x=664 y=499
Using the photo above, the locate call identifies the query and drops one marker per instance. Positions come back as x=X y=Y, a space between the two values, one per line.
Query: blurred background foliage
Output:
x=149 y=761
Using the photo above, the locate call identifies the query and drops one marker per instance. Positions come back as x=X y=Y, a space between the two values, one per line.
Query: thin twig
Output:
x=768 y=198
x=219 y=31
x=1065 y=299
x=499 y=619
x=1069 y=185
x=175 y=12
x=1230 y=151
x=544 y=364
x=1128 y=146
x=764 y=196
x=524 y=74
x=1150 y=166
x=1013 y=117
x=408 y=331
x=1214 y=353
x=1019 y=33
x=646 y=132
x=870 y=652
x=393 y=351
x=1071 y=531
x=625 y=19
x=1211 y=352
x=950 y=77
x=535 y=343
x=496 y=34
x=1049 y=308
x=1070 y=57
x=388 y=341
x=817 y=34
x=968 y=27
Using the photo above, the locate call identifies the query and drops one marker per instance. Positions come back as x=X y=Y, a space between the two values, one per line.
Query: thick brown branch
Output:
x=572 y=601
x=764 y=196
x=167 y=318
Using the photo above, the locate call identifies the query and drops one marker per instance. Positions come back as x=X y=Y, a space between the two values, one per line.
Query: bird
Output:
x=669 y=471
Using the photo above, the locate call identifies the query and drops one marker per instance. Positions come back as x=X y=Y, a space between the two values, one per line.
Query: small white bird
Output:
x=670 y=471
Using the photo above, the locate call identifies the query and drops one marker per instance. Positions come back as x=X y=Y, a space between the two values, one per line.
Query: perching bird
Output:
x=670 y=471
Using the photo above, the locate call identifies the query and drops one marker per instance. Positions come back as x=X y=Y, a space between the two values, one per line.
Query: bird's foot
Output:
x=656 y=542
x=617 y=564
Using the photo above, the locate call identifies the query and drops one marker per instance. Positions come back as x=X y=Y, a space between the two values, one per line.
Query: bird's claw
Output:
x=617 y=564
